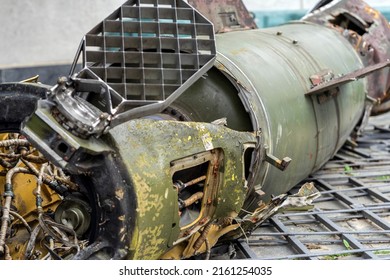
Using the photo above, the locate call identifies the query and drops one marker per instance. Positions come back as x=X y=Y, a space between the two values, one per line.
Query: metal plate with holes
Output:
x=148 y=50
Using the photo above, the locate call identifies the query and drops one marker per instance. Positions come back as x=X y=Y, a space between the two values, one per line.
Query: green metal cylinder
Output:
x=271 y=71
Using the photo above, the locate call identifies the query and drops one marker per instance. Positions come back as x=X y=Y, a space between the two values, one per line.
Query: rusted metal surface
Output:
x=358 y=74
x=226 y=15
x=368 y=32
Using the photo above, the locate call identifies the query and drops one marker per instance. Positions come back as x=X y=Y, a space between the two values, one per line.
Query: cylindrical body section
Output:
x=272 y=70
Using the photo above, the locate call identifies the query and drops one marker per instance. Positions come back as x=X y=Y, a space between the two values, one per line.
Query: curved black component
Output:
x=113 y=204
x=17 y=101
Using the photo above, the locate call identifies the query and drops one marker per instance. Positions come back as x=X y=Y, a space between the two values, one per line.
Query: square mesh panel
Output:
x=148 y=49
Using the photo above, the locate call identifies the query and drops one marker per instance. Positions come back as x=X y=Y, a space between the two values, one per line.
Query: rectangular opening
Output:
x=196 y=180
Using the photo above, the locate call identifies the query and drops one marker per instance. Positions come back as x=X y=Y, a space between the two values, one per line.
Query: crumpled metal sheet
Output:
x=301 y=201
x=226 y=15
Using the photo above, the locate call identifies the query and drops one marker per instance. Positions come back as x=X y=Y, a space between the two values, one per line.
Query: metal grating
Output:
x=351 y=219
x=149 y=51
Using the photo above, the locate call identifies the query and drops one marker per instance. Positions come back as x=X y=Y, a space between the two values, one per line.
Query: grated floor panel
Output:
x=351 y=219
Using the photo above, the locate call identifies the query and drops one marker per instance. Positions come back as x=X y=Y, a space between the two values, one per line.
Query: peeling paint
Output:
x=226 y=15
x=119 y=194
x=157 y=205
x=150 y=242
x=207 y=142
x=147 y=200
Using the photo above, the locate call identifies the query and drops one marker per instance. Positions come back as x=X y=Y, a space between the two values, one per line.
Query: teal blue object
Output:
x=271 y=18
x=266 y=19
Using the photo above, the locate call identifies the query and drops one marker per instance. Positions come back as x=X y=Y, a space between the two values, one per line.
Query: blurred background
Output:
x=42 y=36
x=275 y=12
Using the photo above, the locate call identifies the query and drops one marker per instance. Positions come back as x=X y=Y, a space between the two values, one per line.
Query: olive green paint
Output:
x=147 y=149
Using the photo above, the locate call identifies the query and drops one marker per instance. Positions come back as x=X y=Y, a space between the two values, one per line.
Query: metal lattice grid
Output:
x=148 y=50
x=351 y=219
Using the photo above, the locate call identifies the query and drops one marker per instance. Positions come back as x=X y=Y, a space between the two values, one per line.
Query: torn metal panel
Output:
x=226 y=15
x=368 y=32
x=301 y=201
x=212 y=232
x=331 y=83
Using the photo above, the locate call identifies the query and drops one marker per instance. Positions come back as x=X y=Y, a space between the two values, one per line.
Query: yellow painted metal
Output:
x=24 y=202
x=33 y=79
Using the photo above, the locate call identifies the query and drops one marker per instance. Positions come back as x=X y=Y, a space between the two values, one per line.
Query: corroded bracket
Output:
x=280 y=164
x=368 y=32
x=351 y=77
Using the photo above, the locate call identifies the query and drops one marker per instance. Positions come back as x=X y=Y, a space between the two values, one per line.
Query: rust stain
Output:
x=371 y=39
x=370 y=11
x=226 y=15
x=239 y=51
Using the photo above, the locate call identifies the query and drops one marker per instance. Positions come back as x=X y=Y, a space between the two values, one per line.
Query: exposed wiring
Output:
x=202 y=238
x=7 y=253
x=14 y=142
x=49 y=180
x=191 y=200
x=31 y=242
x=8 y=195
x=24 y=222
x=57 y=239
x=208 y=249
x=38 y=191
